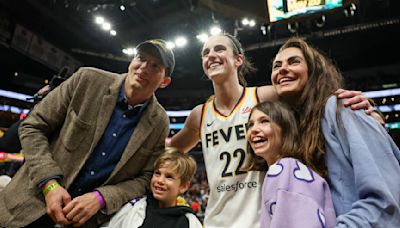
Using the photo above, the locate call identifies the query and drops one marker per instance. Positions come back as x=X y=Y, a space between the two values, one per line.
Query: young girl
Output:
x=293 y=195
x=353 y=150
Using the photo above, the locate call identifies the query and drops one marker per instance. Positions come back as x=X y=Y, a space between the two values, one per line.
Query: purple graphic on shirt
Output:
x=132 y=202
x=275 y=169
x=272 y=208
x=321 y=217
x=303 y=173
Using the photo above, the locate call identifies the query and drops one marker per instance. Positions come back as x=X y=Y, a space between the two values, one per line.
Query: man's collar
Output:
x=123 y=99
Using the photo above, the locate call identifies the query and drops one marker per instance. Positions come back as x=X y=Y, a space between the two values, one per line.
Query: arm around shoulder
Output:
x=267 y=93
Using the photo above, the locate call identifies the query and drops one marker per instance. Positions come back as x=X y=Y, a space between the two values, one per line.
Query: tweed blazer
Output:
x=61 y=132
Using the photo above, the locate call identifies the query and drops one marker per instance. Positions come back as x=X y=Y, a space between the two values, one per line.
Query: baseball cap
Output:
x=166 y=55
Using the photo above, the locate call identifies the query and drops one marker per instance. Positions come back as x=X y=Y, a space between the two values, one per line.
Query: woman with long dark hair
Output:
x=351 y=149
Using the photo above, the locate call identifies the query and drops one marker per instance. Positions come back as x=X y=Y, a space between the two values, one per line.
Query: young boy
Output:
x=173 y=171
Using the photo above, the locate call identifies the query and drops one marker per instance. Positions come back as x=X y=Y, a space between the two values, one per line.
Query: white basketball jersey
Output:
x=235 y=196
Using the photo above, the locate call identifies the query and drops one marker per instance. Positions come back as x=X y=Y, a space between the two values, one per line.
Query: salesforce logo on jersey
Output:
x=237 y=186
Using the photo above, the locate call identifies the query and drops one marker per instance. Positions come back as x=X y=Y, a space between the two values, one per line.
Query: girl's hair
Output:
x=323 y=80
x=247 y=66
x=182 y=164
x=281 y=115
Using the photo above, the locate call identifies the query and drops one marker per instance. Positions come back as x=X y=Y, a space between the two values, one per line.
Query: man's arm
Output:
x=44 y=121
x=188 y=136
x=56 y=197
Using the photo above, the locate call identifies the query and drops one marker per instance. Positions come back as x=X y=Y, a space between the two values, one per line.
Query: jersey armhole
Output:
x=257 y=99
x=203 y=112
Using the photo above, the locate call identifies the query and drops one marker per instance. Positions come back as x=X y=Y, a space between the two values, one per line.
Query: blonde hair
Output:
x=183 y=164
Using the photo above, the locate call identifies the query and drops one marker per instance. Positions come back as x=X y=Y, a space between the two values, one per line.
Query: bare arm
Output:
x=188 y=136
x=267 y=93
x=356 y=100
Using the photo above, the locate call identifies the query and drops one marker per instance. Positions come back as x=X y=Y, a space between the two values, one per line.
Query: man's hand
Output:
x=55 y=200
x=356 y=100
x=81 y=208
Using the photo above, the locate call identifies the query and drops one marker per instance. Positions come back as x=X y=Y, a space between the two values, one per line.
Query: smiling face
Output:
x=264 y=136
x=146 y=74
x=289 y=73
x=166 y=185
x=218 y=57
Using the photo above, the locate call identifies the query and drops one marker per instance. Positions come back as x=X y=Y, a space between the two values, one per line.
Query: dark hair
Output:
x=280 y=114
x=323 y=80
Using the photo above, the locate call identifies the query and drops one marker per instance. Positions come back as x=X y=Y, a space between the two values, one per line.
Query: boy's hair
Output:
x=183 y=164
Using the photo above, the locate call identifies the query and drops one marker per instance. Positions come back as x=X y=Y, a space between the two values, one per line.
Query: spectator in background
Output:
x=195 y=205
x=198 y=191
x=10 y=142
x=91 y=144
x=11 y=156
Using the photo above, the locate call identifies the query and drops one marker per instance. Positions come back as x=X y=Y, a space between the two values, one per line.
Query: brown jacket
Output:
x=61 y=132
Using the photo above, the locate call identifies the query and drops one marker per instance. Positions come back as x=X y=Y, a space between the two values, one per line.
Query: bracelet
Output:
x=50 y=187
x=100 y=198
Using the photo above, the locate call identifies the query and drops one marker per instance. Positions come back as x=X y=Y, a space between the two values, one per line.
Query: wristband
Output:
x=50 y=187
x=100 y=198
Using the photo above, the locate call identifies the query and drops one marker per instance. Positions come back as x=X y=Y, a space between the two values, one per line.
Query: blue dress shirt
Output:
x=108 y=151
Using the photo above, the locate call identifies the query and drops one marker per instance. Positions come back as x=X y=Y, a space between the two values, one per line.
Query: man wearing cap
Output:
x=90 y=144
